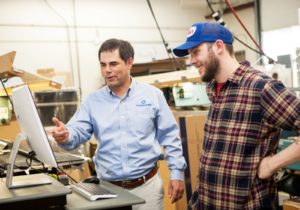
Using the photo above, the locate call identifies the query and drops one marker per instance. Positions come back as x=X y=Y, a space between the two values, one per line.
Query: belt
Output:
x=129 y=184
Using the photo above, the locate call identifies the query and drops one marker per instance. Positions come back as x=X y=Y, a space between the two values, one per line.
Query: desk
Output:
x=50 y=196
x=53 y=196
x=124 y=201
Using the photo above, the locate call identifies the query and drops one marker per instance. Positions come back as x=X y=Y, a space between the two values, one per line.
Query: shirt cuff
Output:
x=66 y=146
x=176 y=175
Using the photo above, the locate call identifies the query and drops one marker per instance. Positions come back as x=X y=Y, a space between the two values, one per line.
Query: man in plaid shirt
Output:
x=241 y=133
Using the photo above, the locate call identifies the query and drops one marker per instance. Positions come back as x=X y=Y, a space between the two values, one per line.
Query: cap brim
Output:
x=182 y=50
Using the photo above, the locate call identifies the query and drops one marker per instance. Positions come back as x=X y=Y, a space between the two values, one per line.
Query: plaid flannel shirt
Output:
x=242 y=127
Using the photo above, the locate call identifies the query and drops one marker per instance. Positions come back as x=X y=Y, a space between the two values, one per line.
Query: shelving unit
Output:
x=170 y=79
x=35 y=82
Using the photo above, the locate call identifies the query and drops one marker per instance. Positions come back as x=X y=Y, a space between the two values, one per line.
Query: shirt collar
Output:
x=237 y=76
x=131 y=87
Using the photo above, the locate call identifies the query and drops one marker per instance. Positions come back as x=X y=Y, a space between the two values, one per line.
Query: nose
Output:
x=193 y=59
x=105 y=69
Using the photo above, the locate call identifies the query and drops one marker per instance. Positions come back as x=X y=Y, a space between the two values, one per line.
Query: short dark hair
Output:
x=125 y=49
x=275 y=75
x=228 y=47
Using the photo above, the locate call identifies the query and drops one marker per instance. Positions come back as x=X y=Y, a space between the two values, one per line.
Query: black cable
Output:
x=169 y=51
x=68 y=175
x=210 y=7
x=271 y=60
x=159 y=30
x=31 y=155
x=29 y=159
x=218 y=18
x=12 y=105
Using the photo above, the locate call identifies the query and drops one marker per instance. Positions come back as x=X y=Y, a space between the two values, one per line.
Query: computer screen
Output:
x=32 y=130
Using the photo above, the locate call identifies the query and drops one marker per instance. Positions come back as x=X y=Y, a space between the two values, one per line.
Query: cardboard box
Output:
x=195 y=135
x=191 y=125
x=10 y=131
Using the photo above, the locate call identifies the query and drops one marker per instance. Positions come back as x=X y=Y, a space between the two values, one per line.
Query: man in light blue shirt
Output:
x=131 y=121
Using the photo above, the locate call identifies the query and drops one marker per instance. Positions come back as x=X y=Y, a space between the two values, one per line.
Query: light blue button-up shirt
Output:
x=130 y=131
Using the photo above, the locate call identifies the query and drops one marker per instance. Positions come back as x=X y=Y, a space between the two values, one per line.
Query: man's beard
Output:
x=211 y=67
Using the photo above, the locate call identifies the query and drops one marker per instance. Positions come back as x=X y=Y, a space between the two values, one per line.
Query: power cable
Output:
x=12 y=105
x=244 y=27
x=159 y=30
x=218 y=18
x=169 y=51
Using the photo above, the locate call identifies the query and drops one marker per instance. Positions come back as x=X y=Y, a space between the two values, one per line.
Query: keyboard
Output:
x=92 y=191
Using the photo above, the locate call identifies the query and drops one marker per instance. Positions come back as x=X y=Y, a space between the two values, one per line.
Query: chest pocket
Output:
x=142 y=122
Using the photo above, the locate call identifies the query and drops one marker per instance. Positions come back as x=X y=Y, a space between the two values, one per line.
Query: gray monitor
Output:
x=33 y=131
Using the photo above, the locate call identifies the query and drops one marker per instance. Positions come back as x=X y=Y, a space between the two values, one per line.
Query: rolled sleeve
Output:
x=280 y=106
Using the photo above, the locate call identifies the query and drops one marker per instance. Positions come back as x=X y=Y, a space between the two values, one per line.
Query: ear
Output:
x=219 y=46
x=129 y=62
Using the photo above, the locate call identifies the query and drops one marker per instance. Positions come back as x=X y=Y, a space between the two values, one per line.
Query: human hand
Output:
x=60 y=133
x=176 y=190
x=264 y=169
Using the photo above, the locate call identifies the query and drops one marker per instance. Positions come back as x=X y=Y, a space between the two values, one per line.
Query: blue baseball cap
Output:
x=203 y=32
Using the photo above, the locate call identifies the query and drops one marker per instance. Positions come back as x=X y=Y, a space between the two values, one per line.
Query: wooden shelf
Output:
x=158 y=66
x=35 y=82
x=170 y=79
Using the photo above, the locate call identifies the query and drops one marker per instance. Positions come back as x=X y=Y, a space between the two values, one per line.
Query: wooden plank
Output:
x=171 y=78
x=158 y=66
x=35 y=82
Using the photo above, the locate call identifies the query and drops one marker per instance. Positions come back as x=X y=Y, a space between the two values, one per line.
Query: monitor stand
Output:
x=10 y=169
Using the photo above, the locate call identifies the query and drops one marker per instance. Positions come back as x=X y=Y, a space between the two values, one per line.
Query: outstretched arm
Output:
x=60 y=133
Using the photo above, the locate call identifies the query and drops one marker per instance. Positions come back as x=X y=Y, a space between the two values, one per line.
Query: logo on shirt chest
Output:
x=143 y=102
